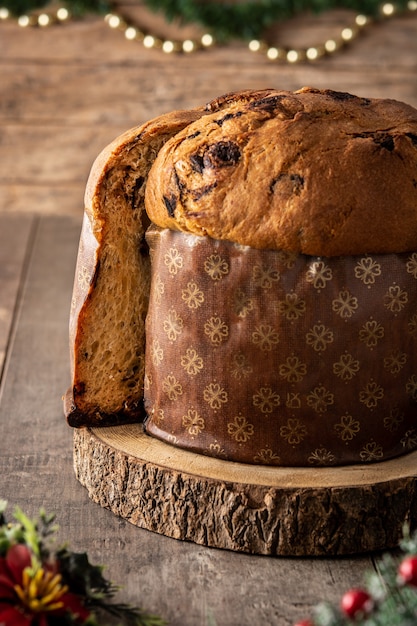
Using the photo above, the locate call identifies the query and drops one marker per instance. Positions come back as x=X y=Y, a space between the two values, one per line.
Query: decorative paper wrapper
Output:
x=269 y=357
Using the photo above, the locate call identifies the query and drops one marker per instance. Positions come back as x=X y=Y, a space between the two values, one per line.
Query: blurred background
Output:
x=71 y=85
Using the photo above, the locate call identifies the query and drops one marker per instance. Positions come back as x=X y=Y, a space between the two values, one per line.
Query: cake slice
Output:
x=111 y=285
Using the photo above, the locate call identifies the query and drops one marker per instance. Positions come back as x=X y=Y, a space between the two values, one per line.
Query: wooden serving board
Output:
x=246 y=508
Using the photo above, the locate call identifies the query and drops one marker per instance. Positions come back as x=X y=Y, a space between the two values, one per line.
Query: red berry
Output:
x=407 y=570
x=356 y=603
x=304 y=622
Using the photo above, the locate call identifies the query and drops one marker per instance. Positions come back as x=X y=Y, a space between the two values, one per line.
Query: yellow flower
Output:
x=293 y=370
x=346 y=367
x=192 y=296
x=367 y=269
x=292 y=307
x=264 y=277
x=318 y=337
x=172 y=387
x=371 y=332
x=319 y=399
x=192 y=362
x=370 y=394
x=395 y=299
x=173 y=260
x=347 y=428
x=319 y=274
x=42 y=591
x=345 y=304
x=173 y=325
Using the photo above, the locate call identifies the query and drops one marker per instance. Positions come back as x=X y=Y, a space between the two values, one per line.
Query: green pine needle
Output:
x=248 y=20
x=395 y=604
x=82 y=578
x=225 y=20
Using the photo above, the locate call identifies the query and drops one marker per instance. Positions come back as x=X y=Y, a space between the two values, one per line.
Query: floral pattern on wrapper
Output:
x=270 y=357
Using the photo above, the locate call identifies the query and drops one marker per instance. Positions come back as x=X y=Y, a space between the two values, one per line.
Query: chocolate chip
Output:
x=339 y=95
x=170 y=204
x=277 y=104
x=134 y=194
x=385 y=141
x=413 y=138
x=196 y=194
x=222 y=154
x=228 y=116
x=78 y=389
x=233 y=98
x=196 y=134
x=197 y=163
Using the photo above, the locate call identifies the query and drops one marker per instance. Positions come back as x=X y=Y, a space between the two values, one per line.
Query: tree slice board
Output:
x=247 y=508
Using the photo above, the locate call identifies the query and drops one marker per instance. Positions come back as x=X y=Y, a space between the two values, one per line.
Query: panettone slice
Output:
x=111 y=286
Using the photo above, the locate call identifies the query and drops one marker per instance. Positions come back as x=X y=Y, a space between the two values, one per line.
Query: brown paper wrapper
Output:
x=269 y=357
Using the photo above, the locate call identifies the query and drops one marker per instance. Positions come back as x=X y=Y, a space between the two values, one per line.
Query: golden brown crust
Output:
x=314 y=171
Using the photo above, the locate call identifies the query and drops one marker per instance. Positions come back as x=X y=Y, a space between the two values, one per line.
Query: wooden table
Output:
x=66 y=92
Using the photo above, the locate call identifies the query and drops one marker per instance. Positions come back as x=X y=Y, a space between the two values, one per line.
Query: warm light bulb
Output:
x=188 y=45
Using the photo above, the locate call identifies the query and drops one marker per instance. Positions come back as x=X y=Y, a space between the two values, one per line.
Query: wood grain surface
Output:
x=275 y=511
x=67 y=91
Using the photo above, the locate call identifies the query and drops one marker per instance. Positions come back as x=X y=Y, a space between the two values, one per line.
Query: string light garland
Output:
x=133 y=32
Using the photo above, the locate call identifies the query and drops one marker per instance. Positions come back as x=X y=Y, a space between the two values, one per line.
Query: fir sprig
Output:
x=387 y=598
x=77 y=8
x=87 y=581
x=248 y=20
x=225 y=20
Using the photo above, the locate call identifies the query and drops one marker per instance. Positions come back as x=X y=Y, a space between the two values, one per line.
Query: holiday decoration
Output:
x=356 y=603
x=388 y=597
x=248 y=20
x=39 y=587
x=407 y=571
x=224 y=21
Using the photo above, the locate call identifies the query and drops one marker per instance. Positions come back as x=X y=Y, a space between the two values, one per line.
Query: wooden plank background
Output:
x=66 y=91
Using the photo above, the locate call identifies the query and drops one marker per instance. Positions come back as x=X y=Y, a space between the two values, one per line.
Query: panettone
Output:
x=279 y=293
